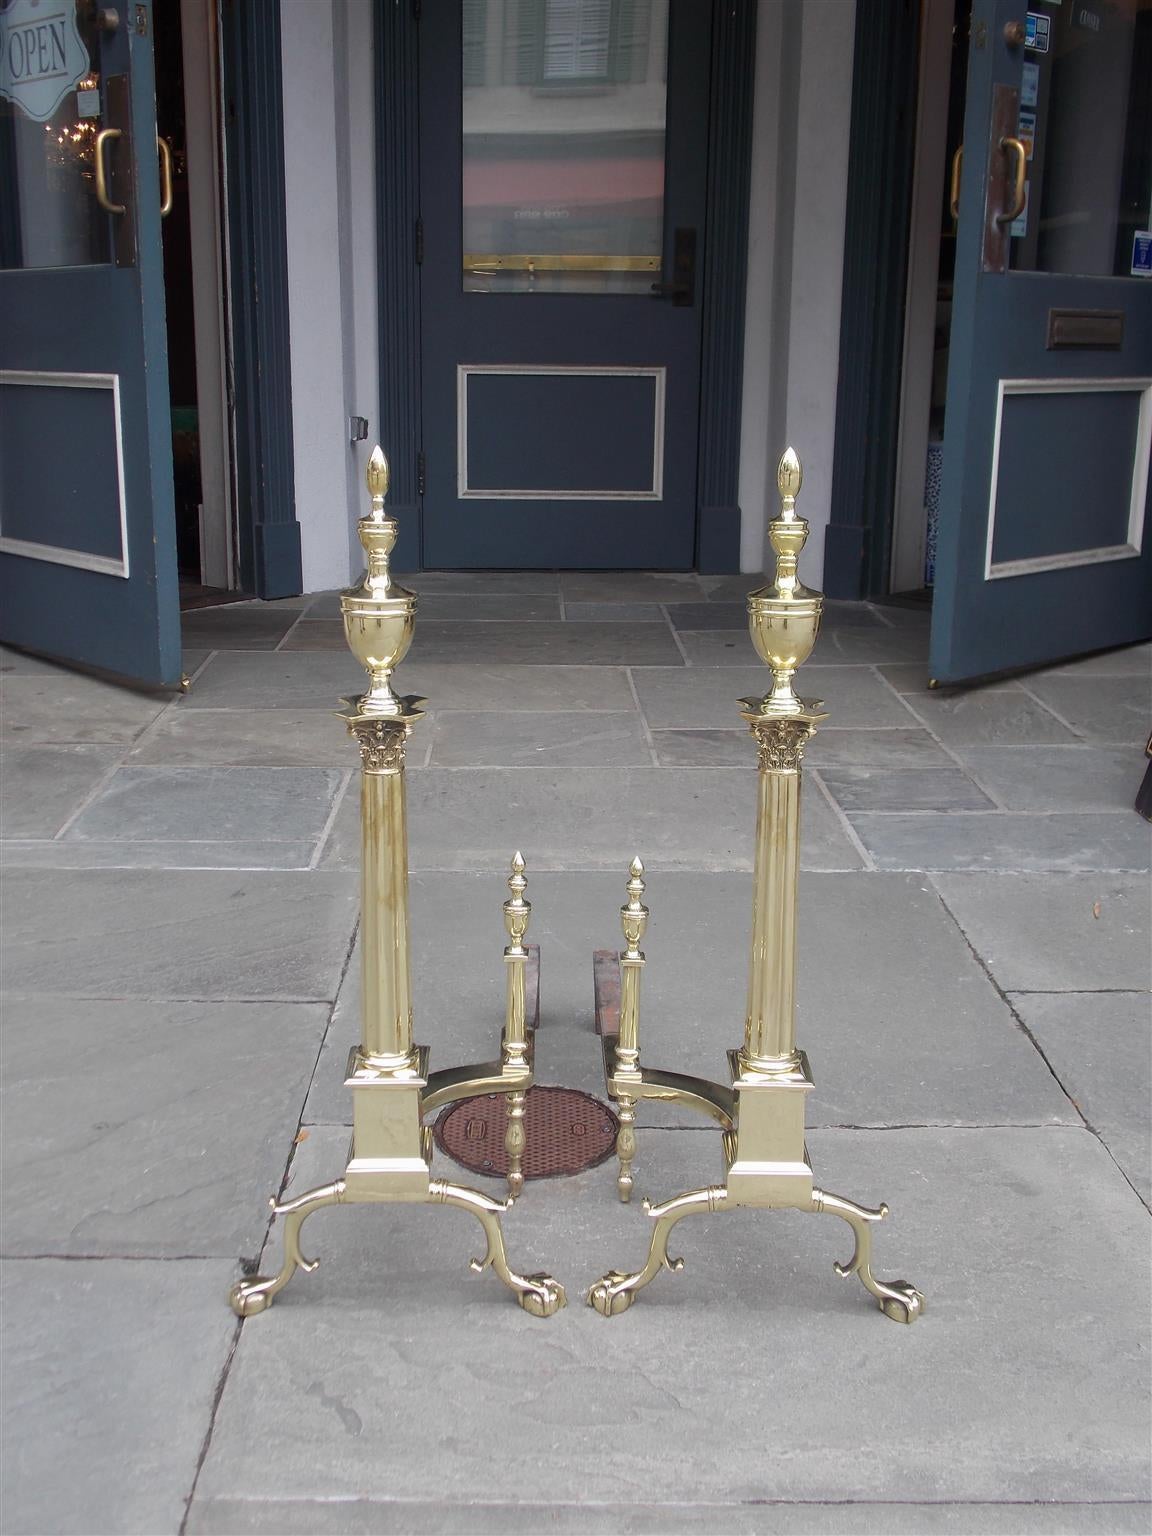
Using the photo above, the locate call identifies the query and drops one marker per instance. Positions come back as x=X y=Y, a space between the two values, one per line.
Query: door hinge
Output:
x=419 y=242
x=421 y=467
x=416 y=9
x=142 y=20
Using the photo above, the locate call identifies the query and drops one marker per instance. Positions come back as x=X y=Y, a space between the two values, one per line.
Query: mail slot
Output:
x=1102 y=329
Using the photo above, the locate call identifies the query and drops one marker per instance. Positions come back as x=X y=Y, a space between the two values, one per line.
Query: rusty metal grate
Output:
x=565 y=1132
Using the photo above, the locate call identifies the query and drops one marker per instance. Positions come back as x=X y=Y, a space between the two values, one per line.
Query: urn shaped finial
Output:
x=379 y=614
x=784 y=616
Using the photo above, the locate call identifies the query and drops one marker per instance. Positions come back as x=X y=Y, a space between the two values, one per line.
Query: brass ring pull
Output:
x=954 y=195
x=165 y=152
x=1019 y=192
x=102 y=138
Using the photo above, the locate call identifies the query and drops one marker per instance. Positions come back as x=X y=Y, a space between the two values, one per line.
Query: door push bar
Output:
x=760 y=1111
x=164 y=150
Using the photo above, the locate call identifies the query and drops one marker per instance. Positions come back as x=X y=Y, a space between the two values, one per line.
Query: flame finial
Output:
x=377 y=477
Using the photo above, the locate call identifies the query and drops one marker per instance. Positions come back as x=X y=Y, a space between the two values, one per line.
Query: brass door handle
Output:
x=954 y=194
x=1019 y=193
x=102 y=138
x=165 y=153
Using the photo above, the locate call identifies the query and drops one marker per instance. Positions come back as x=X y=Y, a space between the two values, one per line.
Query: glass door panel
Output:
x=1085 y=121
x=564 y=116
x=52 y=117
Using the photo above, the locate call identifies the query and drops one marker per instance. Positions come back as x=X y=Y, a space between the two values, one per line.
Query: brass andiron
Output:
x=762 y=1111
x=392 y=1090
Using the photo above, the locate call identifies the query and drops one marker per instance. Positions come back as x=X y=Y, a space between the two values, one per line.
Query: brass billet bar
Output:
x=517 y=911
x=391 y=1157
x=762 y=1112
x=626 y=1076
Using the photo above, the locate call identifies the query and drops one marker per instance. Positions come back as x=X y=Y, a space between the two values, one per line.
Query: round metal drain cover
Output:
x=565 y=1131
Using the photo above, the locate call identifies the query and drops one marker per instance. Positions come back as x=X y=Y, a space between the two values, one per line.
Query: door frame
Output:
x=208 y=232
x=909 y=535
x=885 y=88
x=724 y=274
x=260 y=373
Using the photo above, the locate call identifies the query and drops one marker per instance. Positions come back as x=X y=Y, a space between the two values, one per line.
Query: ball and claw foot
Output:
x=248 y=1298
x=897 y=1299
x=615 y=1292
x=539 y=1295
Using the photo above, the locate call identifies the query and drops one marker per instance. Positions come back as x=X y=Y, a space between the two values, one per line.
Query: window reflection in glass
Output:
x=563 y=150
x=49 y=216
x=1086 y=121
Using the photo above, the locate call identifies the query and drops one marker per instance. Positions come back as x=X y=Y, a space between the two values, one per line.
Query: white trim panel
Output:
x=465 y=370
x=1068 y=559
x=56 y=554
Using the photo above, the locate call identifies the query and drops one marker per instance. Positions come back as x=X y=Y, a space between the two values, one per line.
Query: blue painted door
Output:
x=1044 y=546
x=87 y=529
x=563 y=152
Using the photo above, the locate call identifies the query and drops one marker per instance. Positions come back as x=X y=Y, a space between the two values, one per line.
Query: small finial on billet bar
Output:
x=516 y=909
x=634 y=914
x=789 y=479
x=378 y=477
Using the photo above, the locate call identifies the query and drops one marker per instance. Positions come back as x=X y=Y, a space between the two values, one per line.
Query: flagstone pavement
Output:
x=180 y=967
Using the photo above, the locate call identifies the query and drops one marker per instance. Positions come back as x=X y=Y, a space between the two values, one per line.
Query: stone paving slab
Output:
x=515 y=643
x=463 y=606
x=483 y=583
x=237 y=628
x=110 y=1372
x=899 y=1019
x=630 y=586
x=1055 y=933
x=703 y=697
x=847 y=644
x=856 y=788
x=998 y=716
x=891 y=748
x=1002 y=840
x=1057 y=778
x=275 y=680
x=393 y=1374
x=148 y=1129
x=708 y=615
x=586 y=738
x=1098 y=1046
x=589 y=818
x=42 y=786
x=1128 y=661
x=198 y=934
x=14 y=661
x=214 y=804
x=295 y=680
x=281 y=738
x=883 y=750
x=241 y=853
x=614 y=613
x=363 y=1517
x=1101 y=709
x=68 y=707
x=703 y=749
